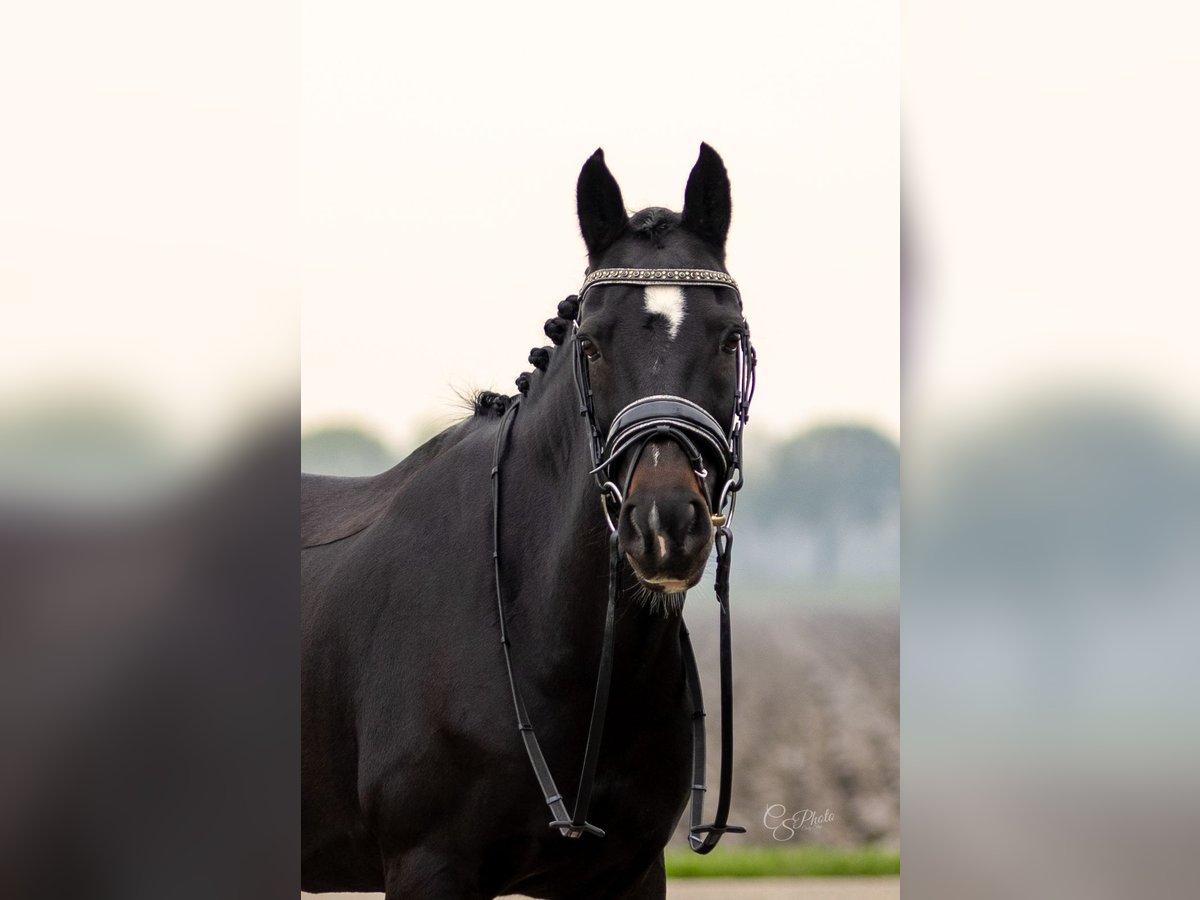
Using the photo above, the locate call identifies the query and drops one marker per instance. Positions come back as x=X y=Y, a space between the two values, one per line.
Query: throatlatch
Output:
x=693 y=428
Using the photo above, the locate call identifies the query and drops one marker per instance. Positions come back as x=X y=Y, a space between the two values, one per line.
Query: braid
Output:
x=490 y=402
x=556 y=329
x=568 y=309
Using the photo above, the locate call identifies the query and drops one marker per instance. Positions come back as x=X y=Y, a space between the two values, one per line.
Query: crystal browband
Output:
x=669 y=276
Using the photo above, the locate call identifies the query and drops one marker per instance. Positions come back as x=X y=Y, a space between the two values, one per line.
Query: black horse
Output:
x=415 y=780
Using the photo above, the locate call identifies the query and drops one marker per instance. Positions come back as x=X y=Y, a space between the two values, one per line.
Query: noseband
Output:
x=666 y=415
x=693 y=428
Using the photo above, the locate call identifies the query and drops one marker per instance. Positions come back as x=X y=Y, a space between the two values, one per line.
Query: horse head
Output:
x=683 y=346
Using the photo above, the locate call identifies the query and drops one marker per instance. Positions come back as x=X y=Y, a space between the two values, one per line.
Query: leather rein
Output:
x=658 y=416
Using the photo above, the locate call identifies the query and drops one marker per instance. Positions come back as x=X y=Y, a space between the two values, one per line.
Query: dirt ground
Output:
x=749 y=889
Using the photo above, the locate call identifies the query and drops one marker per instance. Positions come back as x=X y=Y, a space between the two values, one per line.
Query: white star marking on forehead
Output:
x=667 y=301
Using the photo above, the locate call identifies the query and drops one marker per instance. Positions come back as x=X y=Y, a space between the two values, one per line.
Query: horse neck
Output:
x=560 y=557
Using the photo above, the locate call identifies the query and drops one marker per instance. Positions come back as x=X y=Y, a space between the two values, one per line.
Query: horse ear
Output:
x=707 y=205
x=602 y=217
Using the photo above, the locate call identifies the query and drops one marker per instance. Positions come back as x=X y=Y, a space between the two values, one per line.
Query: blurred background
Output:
x=149 y=325
x=1052 y=449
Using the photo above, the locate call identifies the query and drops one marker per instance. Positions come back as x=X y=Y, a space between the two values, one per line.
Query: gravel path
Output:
x=747 y=889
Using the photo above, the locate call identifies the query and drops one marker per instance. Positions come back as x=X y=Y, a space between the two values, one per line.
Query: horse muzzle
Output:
x=665 y=523
x=657 y=447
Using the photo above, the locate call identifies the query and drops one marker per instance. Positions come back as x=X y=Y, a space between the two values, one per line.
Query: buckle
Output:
x=571 y=830
x=703 y=838
x=609 y=491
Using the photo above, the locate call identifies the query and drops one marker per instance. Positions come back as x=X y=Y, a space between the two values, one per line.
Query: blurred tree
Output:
x=81 y=444
x=345 y=450
x=1058 y=488
x=828 y=478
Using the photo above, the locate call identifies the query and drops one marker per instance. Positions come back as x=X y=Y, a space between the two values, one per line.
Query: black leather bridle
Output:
x=644 y=420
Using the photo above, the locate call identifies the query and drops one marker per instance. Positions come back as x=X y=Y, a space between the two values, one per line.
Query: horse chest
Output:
x=641 y=789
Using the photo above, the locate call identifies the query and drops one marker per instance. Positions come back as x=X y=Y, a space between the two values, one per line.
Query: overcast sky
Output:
x=441 y=153
x=180 y=183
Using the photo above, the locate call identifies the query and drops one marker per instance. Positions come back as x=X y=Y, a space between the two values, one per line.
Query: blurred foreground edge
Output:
x=148 y=703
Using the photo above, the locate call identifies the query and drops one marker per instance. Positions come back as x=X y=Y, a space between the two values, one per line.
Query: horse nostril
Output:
x=666 y=533
x=630 y=513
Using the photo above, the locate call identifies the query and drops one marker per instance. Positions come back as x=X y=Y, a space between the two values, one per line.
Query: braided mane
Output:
x=653 y=224
x=490 y=403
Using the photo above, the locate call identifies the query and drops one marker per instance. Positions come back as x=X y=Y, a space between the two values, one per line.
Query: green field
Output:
x=777 y=862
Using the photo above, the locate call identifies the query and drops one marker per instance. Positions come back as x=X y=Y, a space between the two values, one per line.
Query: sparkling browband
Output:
x=669 y=276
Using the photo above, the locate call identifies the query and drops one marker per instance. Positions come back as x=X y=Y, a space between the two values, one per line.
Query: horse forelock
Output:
x=654 y=224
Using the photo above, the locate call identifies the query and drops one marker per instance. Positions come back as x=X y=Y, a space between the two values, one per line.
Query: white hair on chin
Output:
x=659 y=602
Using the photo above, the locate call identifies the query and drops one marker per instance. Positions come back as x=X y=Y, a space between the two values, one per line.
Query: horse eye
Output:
x=590 y=350
x=731 y=343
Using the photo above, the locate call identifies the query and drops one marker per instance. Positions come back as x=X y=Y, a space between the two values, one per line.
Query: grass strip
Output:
x=764 y=862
